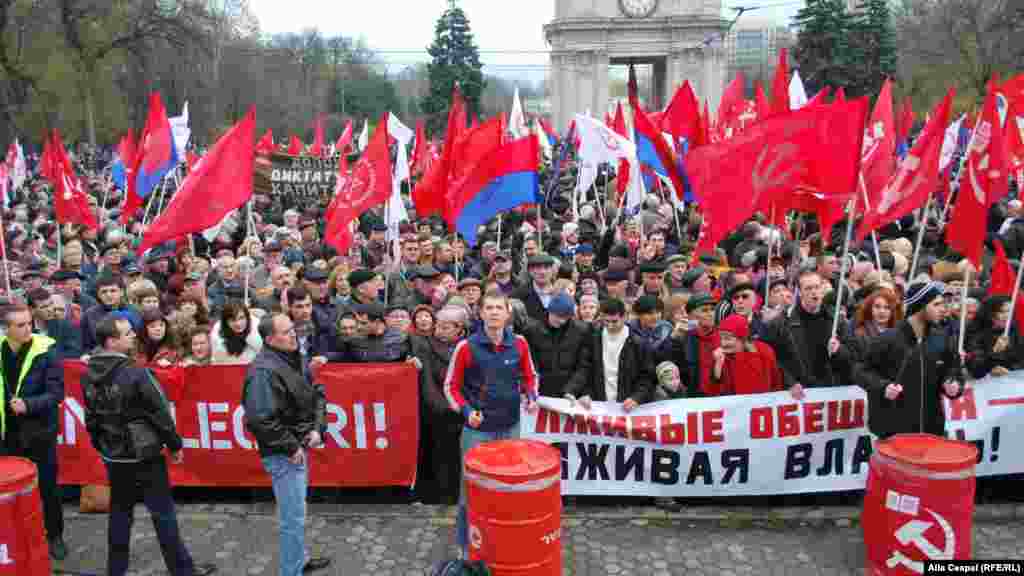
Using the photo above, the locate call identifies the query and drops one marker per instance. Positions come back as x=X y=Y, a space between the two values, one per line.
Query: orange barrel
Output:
x=514 y=507
x=919 y=503
x=23 y=550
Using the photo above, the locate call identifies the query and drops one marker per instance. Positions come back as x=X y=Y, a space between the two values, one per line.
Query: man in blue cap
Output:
x=560 y=347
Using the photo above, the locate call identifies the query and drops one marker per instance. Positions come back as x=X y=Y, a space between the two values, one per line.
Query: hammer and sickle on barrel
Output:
x=913 y=533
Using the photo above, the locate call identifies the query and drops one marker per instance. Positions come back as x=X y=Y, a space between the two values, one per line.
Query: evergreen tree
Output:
x=877 y=43
x=823 y=48
x=455 y=58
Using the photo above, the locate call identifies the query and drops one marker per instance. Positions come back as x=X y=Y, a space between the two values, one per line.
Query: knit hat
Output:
x=736 y=325
x=664 y=370
x=562 y=305
x=920 y=295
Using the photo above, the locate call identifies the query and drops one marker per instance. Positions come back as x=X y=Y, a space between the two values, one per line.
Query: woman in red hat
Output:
x=743 y=365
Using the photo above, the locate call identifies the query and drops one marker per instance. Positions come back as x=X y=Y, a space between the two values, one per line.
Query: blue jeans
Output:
x=471 y=437
x=290 y=482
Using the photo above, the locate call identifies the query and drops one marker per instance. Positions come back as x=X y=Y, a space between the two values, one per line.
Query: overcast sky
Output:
x=509 y=34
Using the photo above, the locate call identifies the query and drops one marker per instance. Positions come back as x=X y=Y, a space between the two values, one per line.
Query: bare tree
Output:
x=94 y=29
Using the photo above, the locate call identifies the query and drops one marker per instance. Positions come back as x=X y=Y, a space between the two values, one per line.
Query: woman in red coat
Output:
x=742 y=365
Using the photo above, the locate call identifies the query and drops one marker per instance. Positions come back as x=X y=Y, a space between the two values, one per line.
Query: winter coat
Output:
x=981 y=358
x=40 y=385
x=282 y=404
x=562 y=355
x=789 y=337
x=636 y=377
x=897 y=356
x=534 y=305
x=749 y=372
x=126 y=413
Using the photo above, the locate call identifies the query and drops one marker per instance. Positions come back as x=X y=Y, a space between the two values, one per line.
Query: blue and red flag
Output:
x=552 y=135
x=155 y=156
x=504 y=178
x=651 y=148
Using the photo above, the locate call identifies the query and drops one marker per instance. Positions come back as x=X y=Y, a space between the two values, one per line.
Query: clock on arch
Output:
x=638 y=8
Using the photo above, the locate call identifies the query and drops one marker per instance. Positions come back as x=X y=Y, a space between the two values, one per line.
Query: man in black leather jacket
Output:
x=287 y=414
x=130 y=423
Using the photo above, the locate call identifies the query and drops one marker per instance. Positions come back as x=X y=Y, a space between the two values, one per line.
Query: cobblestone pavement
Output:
x=385 y=540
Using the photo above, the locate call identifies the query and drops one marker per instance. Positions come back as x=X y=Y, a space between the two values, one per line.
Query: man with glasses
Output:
x=287 y=414
x=808 y=354
x=744 y=298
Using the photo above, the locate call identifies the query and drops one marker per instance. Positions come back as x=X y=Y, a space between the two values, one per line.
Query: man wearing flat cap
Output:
x=676 y=266
x=365 y=286
x=536 y=295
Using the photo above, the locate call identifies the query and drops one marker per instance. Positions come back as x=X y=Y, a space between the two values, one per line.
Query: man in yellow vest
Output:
x=32 y=383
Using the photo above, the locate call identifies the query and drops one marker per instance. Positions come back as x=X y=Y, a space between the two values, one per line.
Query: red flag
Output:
x=345 y=140
x=608 y=120
x=819 y=98
x=469 y=150
x=814 y=147
x=46 y=164
x=368 y=186
x=983 y=182
x=682 y=117
x=905 y=119
x=70 y=202
x=1013 y=89
x=840 y=95
x=646 y=130
x=619 y=126
x=420 y=153
x=295 y=145
x=1003 y=276
x=219 y=184
x=429 y=194
x=126 y=151
x=764 y=109
x=1014 y=143
x=780 y=85
x=731 y=104
x=916 y=176
x=878 y=160
x=266 y=144
x=317 y=149
x=705 y=126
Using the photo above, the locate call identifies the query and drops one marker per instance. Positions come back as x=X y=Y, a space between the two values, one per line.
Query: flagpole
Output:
x=768 y=262
x=1013 y=299
x=963 y=310
x=163 y=194
x=845 y=263
x=920 y=237
x=867 y=206
x=7 y=270
x=60 y=242
x=499 y=231
x=248 y=251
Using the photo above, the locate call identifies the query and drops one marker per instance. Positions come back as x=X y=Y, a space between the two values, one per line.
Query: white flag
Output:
x=949 y=141
x=17 y=170
x=542 y=138
x=599 y=144
x=797 y=94
x=364 y=136
x=181 y=132
x=516 y=120
x=394 y=210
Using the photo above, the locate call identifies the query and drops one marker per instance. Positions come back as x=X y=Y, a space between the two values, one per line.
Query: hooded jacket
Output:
x=40 y=385
x=126 y=413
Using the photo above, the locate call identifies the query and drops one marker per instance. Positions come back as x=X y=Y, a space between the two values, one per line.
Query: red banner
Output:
x=371 y=440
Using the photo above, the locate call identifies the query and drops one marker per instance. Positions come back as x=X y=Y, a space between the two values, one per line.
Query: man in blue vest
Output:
x=490 y=372
x=32 y=383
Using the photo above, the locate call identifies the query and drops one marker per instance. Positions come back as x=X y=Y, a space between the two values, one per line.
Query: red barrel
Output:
x=514 y=507
x=23 y=550
x=919 y=503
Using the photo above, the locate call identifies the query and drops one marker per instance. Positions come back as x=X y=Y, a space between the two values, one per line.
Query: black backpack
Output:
x=460 y=568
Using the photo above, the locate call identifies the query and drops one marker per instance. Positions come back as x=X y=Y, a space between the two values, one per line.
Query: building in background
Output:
x=752 y=47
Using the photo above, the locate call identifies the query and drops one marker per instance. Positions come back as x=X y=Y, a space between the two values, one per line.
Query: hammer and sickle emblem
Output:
x=769 y=174
x=913 y=533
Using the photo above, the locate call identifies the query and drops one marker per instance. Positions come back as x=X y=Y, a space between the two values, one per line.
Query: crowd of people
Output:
x=591 y=303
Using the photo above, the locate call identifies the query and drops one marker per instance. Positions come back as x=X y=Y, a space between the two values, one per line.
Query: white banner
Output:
x=991 y=415
x=753 y=445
